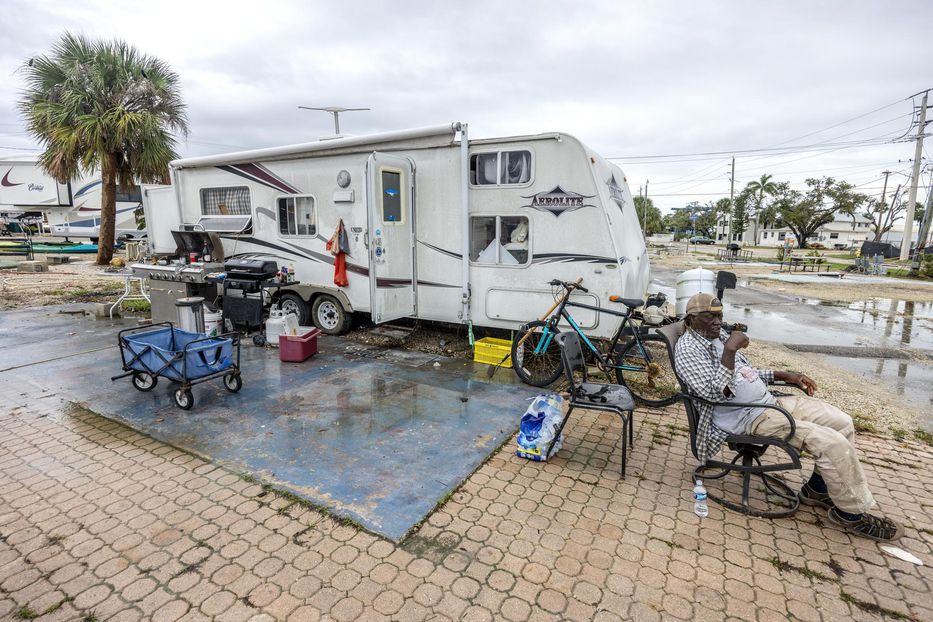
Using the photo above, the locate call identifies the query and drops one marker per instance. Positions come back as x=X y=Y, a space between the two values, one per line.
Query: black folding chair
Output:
x=612 y=398
x=748 y=449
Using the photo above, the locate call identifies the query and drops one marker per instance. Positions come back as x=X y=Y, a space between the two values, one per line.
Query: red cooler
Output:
x=298 y=348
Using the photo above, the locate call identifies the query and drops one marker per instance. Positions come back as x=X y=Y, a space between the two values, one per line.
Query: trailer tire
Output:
x=330 y=316
x=290 y=302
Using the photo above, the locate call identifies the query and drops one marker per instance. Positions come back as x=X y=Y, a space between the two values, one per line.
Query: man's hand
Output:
x=805 y=382
x=736 y=341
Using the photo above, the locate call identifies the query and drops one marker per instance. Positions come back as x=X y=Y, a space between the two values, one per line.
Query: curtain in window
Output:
x=225 y=201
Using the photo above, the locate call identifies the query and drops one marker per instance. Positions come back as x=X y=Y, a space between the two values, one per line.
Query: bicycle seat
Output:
x=631 y=303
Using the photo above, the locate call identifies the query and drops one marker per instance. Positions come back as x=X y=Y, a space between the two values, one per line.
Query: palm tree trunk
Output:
x=108 y=209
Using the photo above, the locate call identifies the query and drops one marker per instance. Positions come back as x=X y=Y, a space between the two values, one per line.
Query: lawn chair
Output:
x=748 y=450
x=612 y=398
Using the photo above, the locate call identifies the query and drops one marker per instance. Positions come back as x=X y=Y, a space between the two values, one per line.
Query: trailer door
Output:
x=390 y=182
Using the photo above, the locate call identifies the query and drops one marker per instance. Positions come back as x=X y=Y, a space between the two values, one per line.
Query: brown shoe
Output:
x=869 y=526
x=808 y=496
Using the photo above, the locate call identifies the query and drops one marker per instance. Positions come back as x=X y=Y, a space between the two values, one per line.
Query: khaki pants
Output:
x=828 y=434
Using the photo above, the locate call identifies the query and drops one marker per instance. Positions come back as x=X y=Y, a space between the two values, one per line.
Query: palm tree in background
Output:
x=102 y=105
x=760 y=188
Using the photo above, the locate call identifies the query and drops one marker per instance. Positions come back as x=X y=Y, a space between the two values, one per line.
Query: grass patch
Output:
x=673 y=545
x=863 y=424
x=873 y=608
x=25 y=613
x=51 y=540
x=137 y=306
x=89 y=617
x=783 y=566
x=924 y=437
x=58 y=605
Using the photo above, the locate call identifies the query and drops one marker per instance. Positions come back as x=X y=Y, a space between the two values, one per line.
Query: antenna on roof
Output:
x=334 y=110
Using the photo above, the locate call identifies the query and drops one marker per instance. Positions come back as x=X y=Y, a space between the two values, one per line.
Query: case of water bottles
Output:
x=536 y=432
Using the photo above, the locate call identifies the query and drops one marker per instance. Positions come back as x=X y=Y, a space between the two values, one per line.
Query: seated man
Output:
x=709 y=361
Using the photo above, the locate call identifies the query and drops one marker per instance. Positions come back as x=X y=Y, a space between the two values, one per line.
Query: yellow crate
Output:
x=490 y=350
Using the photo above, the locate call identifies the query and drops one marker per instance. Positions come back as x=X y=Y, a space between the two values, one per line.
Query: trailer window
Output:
x=296 y=216
x=391 y=196
x=499 y=240
x=502 y=168
x=129 y=194
x=230 y=201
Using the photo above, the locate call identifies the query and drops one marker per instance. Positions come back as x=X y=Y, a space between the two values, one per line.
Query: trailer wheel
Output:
x=330 y=316
x=184 y=399
x=144 y=381
x=291 y=302
x=233 y=382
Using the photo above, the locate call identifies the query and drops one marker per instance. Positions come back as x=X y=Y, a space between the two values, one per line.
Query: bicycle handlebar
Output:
x=569 y=286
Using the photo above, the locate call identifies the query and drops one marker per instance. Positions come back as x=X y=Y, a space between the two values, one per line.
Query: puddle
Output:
x=910 y=380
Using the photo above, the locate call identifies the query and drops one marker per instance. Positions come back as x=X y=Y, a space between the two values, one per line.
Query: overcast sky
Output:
x=630 y=79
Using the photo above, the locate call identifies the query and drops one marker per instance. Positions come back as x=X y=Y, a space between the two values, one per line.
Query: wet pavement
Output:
x=377 y=436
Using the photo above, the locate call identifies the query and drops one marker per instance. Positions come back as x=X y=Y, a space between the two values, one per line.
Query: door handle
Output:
x=366 y=239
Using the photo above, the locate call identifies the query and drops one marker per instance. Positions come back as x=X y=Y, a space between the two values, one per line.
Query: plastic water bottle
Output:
x=699 y=500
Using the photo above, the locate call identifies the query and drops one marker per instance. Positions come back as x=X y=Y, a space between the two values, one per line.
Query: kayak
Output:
x=55 y=247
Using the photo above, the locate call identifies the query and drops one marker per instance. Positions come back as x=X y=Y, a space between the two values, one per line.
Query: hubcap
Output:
x=328 y=315
x=290 y=306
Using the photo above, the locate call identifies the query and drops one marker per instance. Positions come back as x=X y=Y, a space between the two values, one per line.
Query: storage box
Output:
x=491 y=350
x=298 y=348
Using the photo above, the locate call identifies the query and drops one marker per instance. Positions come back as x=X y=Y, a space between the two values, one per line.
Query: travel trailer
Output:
x=71 y=209
x=438 y=227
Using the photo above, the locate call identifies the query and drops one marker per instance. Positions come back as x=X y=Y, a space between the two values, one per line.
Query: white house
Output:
x=840 y=233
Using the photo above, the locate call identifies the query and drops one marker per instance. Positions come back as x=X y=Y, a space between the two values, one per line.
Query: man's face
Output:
x=707 y=323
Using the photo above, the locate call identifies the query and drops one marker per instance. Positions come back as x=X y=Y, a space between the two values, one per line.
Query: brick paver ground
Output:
x=98 y=522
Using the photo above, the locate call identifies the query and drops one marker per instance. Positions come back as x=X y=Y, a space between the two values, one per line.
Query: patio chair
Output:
x=748 y=450
x=613 y=398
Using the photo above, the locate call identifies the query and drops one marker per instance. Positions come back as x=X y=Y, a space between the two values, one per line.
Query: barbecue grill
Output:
x=242 y=289
x=168 y=283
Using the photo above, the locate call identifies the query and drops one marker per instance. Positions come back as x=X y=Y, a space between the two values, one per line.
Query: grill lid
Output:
x=187 y=242
x=247 y=268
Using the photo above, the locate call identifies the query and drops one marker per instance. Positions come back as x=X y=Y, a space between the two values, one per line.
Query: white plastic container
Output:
x=698 y=280
x=213 y=323
x=280 y=323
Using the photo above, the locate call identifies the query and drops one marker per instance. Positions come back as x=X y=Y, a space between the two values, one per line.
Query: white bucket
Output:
x=213 y=323
x=698 y=280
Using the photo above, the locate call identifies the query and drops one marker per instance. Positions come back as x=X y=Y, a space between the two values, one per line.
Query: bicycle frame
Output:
x=561 y=312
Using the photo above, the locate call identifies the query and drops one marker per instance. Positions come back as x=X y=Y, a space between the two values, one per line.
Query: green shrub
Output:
x=926 y=266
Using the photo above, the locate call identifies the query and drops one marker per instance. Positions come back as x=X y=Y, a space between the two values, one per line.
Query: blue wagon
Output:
x=149 y=352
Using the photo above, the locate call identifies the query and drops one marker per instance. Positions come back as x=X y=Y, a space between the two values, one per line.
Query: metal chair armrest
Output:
x=778 y=407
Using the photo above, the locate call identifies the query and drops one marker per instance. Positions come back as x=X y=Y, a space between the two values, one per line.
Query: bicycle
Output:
x=641 y=363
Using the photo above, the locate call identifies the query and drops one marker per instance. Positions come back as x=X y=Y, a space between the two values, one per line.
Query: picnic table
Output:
x=803 y=264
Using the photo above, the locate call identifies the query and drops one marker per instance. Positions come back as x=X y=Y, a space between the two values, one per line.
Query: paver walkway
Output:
x=98 y=522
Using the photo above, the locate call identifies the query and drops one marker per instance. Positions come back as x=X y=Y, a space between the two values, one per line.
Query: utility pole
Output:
x=731 y=194
x=914 y=178
x=644 y=214
x=884 y=189
x=924 y=228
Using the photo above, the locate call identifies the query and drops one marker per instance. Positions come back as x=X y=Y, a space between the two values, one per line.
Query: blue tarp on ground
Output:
x=379 y=436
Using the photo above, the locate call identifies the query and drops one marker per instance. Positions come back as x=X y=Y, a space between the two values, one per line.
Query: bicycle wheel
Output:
x=543 y=368
x=647 y=371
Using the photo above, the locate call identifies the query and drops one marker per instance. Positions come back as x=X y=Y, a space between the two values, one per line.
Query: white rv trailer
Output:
x=71 y=209
x=439 y=228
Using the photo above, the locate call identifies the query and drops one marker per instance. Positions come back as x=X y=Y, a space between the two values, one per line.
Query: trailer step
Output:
x=399 y=333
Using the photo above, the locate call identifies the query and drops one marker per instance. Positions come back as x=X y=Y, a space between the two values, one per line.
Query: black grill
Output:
x=250 y=269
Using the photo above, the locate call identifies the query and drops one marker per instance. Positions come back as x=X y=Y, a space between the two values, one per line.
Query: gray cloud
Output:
x=629 y=78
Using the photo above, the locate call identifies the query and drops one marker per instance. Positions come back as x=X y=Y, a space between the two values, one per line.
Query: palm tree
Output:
x=761 y=187
x=102 y=105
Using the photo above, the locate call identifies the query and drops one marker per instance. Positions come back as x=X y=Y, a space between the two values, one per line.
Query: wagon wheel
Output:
x=259 y=340
x=144 y=381
x=184 y=399
x=233 y=382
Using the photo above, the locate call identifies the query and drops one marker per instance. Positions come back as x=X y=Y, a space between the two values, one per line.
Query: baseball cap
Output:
x=701 y=302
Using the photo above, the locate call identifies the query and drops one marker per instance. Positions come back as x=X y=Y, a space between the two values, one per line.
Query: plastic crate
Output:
x=490 y=350
x=298 y=348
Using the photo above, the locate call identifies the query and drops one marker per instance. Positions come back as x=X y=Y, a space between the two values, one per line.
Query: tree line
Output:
x=765 y=204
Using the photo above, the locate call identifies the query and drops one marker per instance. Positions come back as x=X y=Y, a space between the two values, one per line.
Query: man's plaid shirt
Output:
x=702 y=370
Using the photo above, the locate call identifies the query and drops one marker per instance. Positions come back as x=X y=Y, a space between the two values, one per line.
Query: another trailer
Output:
x=439 y=227
x=70 y=209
